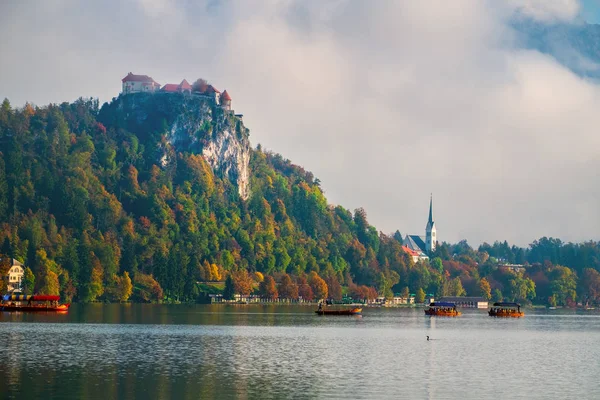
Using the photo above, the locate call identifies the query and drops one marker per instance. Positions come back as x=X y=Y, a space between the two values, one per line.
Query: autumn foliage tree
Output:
x=287 y=288
x=318 y=285
x=268 y=288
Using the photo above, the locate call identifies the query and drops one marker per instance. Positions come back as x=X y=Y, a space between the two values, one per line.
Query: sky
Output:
x=384 y=101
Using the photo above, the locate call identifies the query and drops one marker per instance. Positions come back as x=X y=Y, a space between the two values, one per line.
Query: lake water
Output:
x=225 y=351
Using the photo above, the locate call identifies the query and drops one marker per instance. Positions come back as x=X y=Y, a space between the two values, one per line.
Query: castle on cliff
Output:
x=424 y=245
x=145 y=84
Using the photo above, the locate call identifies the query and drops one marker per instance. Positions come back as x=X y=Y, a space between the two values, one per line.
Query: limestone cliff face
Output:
x=191 y=123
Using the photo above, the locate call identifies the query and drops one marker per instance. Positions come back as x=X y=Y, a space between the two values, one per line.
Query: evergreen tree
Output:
x=229 y=291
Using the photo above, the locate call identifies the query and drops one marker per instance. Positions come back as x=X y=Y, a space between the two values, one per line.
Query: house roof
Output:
x=225 y=96
x=170 y=87
x=185 y=85
x=410 y=251
x=137 y=78
x=415 y=242
x=211 y=89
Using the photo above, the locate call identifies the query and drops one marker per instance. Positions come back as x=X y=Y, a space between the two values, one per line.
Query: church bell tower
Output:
x=430 y=231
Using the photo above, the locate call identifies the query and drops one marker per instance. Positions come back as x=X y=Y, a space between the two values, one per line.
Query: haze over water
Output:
x=160 y=351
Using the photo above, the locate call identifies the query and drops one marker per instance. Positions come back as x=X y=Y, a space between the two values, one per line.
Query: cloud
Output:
x=384 y=101
x=546 y=11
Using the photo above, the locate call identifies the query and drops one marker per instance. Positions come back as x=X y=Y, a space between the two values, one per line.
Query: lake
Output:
x=140 y=351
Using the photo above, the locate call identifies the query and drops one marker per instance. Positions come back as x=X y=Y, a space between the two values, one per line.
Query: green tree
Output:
x=229 y=291
x=436 y=263
x=420 y=296
x=497 y=296
x=563 y=284
x=28 y=282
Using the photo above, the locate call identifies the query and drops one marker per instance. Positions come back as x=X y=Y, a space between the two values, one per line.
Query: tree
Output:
x=124 y=287
x=334 y=287
x=146 y=288
x=454 y=287
x=6 y=250
x=497 y=297
x=436 y=263
x=563 y=284
x=242 y=282
x=318 y=285
x=287 y=288
x=268 y=288
x=229 y=291
x=5 y=265
x=420 y=296
x=485 y=289
x=591 y=285
x=304 y=289
x=28 y=282
x=405 y=293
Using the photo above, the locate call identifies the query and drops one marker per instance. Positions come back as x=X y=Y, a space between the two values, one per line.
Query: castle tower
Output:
x=226 y=101
x=430 y=231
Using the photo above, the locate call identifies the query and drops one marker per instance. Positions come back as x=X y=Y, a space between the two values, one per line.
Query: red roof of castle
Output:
x=137 y=78
x=212 y=89
x=170 y=87
x=225 y=96
x=185 y=85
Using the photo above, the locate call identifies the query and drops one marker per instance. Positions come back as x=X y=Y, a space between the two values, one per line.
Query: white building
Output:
x=424 y=244
x=139 y=83
x=14 y=277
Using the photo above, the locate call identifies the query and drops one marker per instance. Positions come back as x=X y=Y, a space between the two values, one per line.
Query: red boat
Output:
x=32 y=303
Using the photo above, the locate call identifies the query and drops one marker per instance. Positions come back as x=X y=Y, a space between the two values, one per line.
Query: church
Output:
x=425 y=245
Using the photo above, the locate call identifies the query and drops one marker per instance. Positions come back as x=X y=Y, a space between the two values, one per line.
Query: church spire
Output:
x=430 y=221
x=430 y=230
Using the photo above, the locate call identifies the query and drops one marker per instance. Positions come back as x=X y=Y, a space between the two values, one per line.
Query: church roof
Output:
x=415 y=242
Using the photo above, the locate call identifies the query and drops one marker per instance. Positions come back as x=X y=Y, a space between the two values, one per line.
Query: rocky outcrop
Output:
x=195 y=124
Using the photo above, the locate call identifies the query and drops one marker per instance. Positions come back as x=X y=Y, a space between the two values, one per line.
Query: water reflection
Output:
x=160 y=351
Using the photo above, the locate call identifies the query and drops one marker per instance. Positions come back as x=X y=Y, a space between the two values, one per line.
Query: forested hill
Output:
x=151 y=189
x=153 y=195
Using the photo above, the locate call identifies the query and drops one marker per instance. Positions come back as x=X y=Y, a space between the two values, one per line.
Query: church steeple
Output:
x=430 y=221
x=430 y=230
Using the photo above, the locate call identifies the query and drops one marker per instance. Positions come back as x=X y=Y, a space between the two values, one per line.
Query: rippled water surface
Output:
x=204 y=351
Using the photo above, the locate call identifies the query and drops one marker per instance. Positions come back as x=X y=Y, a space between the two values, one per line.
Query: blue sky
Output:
x=591 y=11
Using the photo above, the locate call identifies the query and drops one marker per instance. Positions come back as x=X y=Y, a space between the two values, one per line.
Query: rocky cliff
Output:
x=175 y=123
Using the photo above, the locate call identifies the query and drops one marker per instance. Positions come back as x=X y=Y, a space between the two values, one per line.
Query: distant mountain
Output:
x=575 y=45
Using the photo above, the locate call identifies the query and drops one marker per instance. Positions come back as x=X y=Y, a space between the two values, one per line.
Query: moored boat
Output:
x=32 y=303
x=348 y=311
x=509 y=310
x=442 y=309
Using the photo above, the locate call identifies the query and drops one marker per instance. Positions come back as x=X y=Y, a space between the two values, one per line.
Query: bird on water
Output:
x=428 y=338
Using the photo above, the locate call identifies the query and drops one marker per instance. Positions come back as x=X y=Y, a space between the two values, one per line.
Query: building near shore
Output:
x=466 y=302
x=14 y=277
